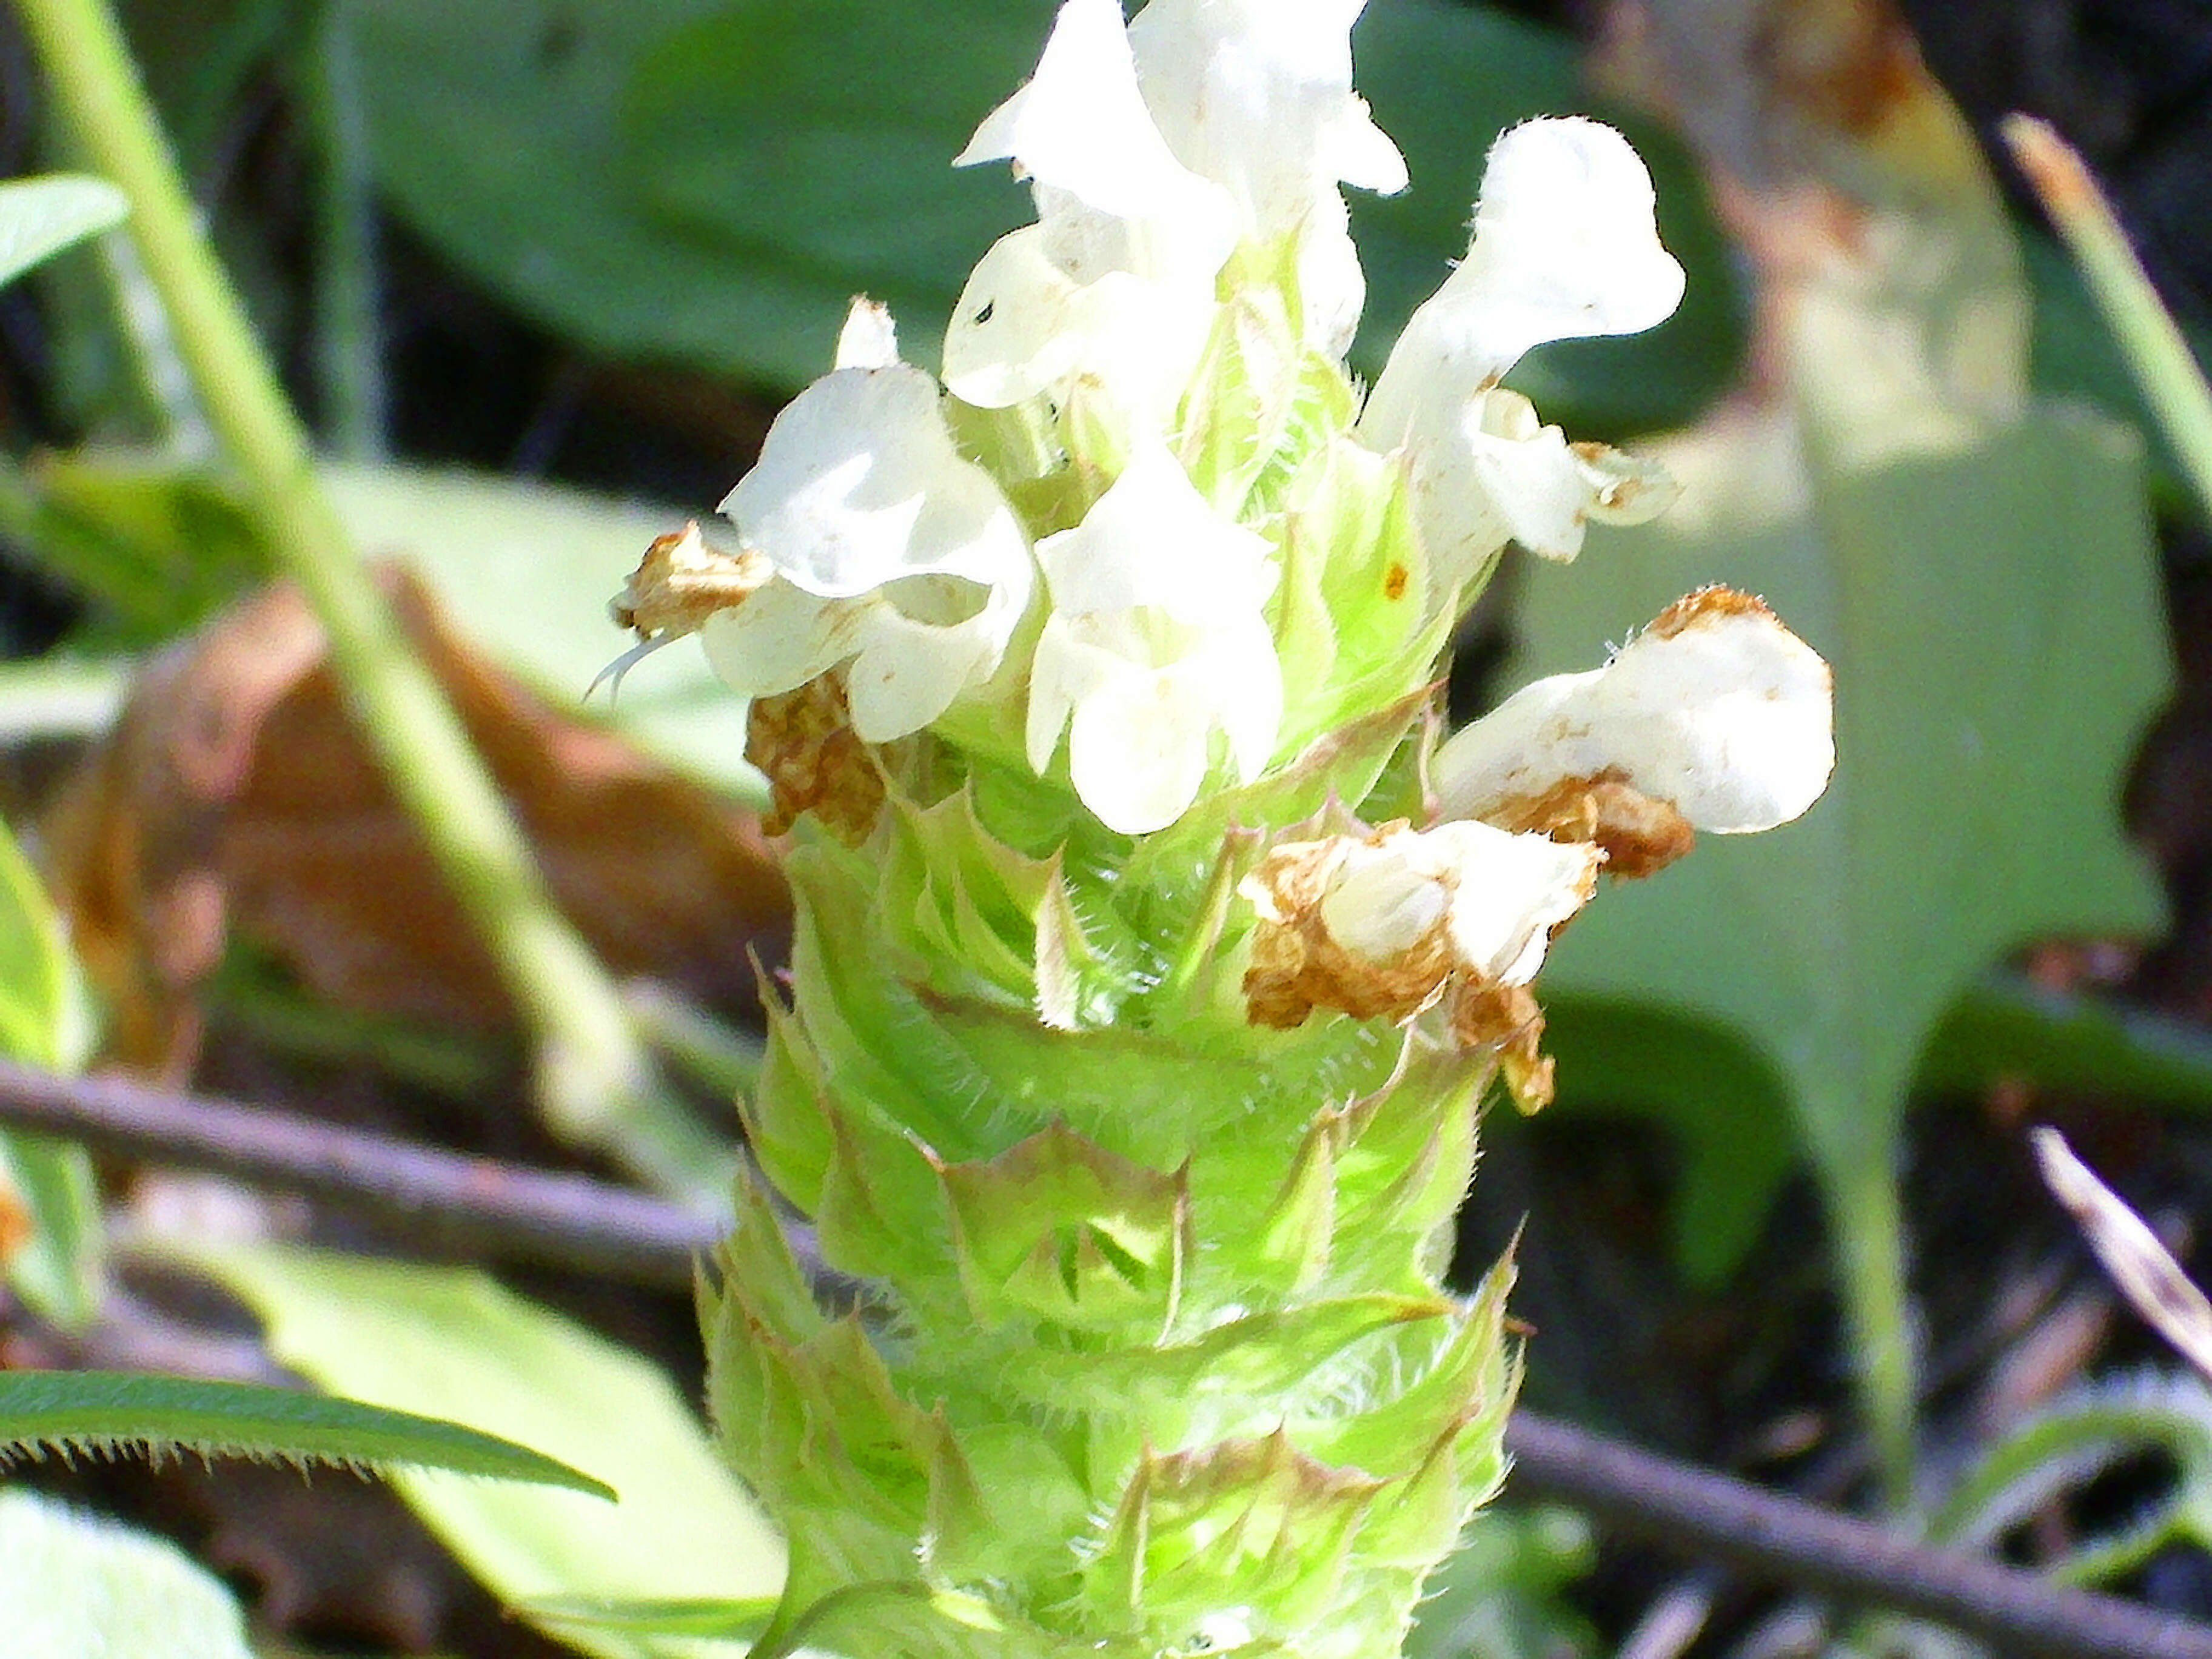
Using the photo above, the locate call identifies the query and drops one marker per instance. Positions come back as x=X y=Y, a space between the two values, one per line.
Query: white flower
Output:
x=1393 y=922
x=1256 y=95
x=1497 y=473
x=1115 y=279
x=1565 y=245
x=889 y=551
x=1716 y=710
x=1155 y=640
x=1497 y=894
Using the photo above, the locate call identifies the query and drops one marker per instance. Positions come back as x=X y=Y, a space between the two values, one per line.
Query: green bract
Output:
x=1139 y=1014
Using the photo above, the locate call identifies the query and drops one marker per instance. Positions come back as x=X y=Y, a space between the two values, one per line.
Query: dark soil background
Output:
x=1749 y=1378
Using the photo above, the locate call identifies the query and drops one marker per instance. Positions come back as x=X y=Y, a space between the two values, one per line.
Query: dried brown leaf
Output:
x=236 y=796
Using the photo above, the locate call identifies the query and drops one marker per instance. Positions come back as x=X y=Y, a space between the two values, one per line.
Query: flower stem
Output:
x=2148 y=339
x=1869 y=1225
x=597 y=1083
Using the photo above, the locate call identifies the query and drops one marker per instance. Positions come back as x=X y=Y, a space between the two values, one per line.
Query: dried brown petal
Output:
x=1707 y=604
x=236 y=795
x=804 y=743
x=683 y=580
x=1639 y=834
x=1505 y=1017
x=1297 y=965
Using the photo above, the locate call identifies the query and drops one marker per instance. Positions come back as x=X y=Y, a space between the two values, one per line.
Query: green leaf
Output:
x=729 y=175
x=2066 y=1445
x=2008 y=1026
x=1727 y=1103
x=107 y=1411
x=57 y=1272
x=161 y=546
x=442 y=1339
x=732 y=173
x=524 y=570
x=44 y=1017
x=73 y=1583
x=39 y=217
x=1993 y=622
x=717 y=1618
x=1986 y=590
x=45 y=1021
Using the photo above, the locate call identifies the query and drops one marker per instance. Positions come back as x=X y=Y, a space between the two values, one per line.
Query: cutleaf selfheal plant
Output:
x=1153 y=958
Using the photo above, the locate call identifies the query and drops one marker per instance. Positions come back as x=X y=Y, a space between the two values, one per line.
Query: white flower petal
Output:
x=906 y=673
x=1152 y=540
x=1024 y=324
x=1080 y=124
x=1256 y=95
x=779 y=639
x=1715 y=708
x=1155 y=640
x=1509 y=892
x=859 y=484
x=869 y=338
x=1137 y=749
x=1565 y=246
x=1500 y=895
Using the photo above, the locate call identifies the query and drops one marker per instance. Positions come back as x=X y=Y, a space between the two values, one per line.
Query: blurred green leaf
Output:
x=1992 y=615
x=453 y=1342
x=721 y=1620
x=45 y=1021
x=159 y=546
x=2008 y=1026
x=72 y=1583
x=1502 y=1596
x=669 y=181
x=524 y=569
x=1726 y=1101
x=105 y=1412
x=1978 y=569
x=2067 y=1445
x=39 y=217
x=712 y=183
x=1993 y=620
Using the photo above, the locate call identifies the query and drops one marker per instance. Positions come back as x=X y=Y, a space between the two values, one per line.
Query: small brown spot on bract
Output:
x=1395 y=580
x=1707 y=604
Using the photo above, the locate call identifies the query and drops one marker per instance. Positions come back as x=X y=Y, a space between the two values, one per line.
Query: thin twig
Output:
x=510 y=1210
x=1767 y=1535
x=537 y=1216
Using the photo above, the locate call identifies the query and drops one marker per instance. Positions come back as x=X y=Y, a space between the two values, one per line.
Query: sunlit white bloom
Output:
x=1565 y=246
x=1256 y=95
x=889 y=551
x=869 y=338
x=1501 y=474
x=1154 y=642
x=1391 y=924
x=1128 y=240
x=1497 y=895
x=1716 y=709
